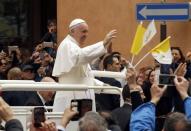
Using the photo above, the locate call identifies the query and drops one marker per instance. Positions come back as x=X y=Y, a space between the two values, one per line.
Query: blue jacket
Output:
x=143 y=117
x=187 y=106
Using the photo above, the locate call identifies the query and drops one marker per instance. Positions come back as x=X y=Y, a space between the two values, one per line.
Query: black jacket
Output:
x=16 y=98
x=35 y=100
x=108 y=101
x=122 y=116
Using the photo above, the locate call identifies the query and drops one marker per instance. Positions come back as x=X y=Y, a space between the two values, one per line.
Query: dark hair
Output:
x=182 y=59
x=15 y=60
x=116 y=54
x=175 y=118
x=145 y=68
x=108 y=60
x=126 y=92
x=150 y=73
x=51 y=21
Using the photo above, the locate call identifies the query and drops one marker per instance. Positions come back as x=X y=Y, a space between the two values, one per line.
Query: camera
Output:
x=81 y=106
x=166 y=79
x=38 y=116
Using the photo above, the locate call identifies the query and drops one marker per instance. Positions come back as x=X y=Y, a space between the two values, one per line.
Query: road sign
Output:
x=163 y=11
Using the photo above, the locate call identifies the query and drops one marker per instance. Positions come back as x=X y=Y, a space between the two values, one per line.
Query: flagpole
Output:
x=142 y=59
x=132 y=59
x=151 y=51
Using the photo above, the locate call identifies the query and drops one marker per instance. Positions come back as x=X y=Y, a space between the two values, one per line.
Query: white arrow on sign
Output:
x=159 y=12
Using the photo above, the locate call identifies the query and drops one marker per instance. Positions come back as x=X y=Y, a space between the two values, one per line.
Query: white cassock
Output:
x=71 y=66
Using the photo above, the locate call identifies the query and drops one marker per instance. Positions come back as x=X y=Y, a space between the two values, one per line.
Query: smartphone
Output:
x=41 y=55
x=81 y=106
x=166 y=79
x=38 y=116
x=12 y=48
x=48 y=44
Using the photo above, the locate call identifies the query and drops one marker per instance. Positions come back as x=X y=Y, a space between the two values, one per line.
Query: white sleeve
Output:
x=70 y=55
x=89 y=53
x=98 y=82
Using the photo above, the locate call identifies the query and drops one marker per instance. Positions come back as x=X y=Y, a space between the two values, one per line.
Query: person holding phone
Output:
x=6 y=114
x=39 y=121
x=50 y=36
x=49 y=40
x=71 y=64
x=91 y=121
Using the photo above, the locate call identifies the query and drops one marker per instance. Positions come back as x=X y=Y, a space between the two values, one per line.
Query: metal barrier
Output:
x=16 y=81
x=58 y=87
x=23 y=113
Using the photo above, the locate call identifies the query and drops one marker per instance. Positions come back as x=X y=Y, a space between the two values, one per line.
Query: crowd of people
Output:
x=147 y=105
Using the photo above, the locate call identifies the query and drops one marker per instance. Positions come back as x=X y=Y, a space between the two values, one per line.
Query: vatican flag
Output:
x=138 y=40
x=162 y=52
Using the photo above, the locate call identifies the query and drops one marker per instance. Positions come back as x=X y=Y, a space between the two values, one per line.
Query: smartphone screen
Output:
x=86 y=105
x=48 y=44
x=165 y=79
x=39 y=116
x=81 y=106
x=75 y=105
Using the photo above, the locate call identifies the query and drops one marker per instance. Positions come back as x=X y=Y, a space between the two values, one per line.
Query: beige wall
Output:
x=104 y=15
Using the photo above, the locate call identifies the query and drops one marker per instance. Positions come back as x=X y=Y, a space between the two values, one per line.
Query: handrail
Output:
x=28 y=107
x=54 y=87
x=48 y=114
x=16 y=81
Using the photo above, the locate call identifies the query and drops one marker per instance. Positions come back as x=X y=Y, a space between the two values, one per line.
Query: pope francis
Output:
x=71 y=64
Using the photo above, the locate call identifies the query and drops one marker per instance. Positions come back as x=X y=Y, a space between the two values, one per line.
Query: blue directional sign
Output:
x=163 y=11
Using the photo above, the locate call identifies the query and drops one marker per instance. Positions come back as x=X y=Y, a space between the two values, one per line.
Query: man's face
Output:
x=80 y=33
x=188 y=56
x=47 y=95
x=52 y=27
x=27 y=75
x=116 y=65
x=3 y=65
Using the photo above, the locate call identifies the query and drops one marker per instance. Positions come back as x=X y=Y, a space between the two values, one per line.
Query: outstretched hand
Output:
x=156 y=93
x=181 y=69
x=6 y=113
x=46 y=126
x=67 y=116
x=131 y=77
x=108 y=38
x=182 y=86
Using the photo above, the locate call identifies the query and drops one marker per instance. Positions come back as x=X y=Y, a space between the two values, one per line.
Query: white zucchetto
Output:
x=76 y=22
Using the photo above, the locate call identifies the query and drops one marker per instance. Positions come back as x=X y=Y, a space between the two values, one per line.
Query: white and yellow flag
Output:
x=149 y=33
x=143 y=37
x=162 y=52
